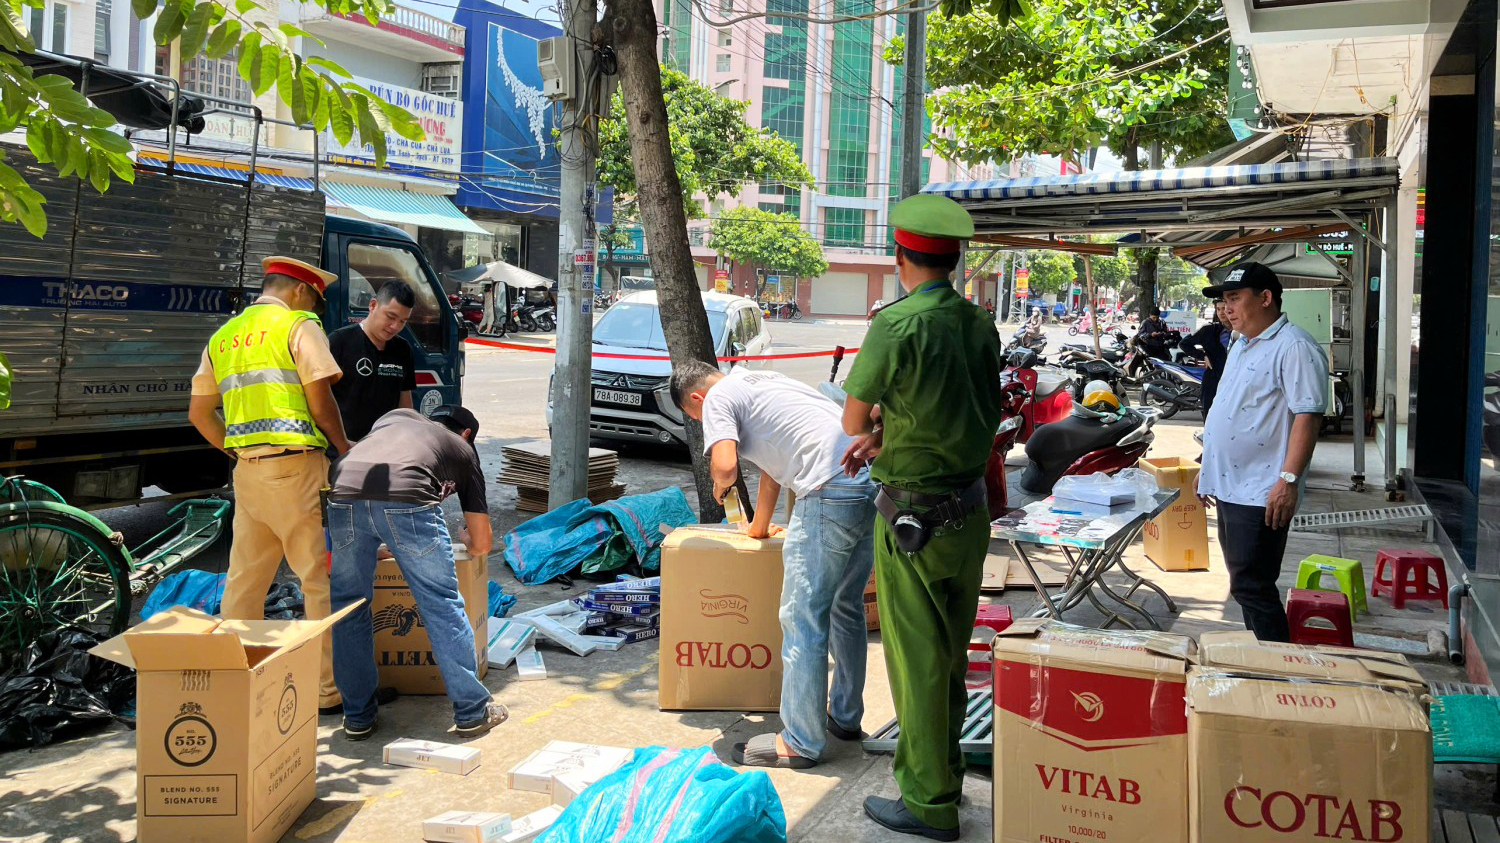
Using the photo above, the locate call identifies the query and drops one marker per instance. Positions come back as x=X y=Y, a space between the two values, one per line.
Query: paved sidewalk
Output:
x=83 y=789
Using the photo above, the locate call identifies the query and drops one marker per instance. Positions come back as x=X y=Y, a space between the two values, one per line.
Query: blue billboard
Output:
x=510 y=156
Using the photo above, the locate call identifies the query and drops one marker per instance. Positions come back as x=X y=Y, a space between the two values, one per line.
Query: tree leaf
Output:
x=328 y=64
x=195 y=29
x=36 y=141
x=170 y=21
x=312 y=91
x=400 y=120
x=244 y=6
x=16 y=36
x=226 y=36
x=143 y=8
x=99 y=171
x=369 y=129
x=249 y=64
x=340 y=115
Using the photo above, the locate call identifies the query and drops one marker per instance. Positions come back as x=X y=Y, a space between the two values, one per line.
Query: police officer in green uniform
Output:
x=923 y=399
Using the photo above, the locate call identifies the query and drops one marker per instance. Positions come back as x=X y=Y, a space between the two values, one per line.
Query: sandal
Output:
x=760 y=751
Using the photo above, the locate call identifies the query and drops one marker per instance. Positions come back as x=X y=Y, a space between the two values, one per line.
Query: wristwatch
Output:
x=1288 y=477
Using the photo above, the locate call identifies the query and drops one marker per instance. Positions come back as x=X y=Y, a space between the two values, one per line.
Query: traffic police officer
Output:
x=271 y=368
x=923 y=399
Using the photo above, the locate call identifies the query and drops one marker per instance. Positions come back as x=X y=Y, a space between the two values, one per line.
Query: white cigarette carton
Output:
x=466 y=827
x=566 y=787
x=507 y=639
x=526 y=829
x=529 y=664
x=587 y=763
x=445 y=757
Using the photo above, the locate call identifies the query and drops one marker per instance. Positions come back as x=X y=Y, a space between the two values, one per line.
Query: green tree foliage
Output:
x=772 y=241
x=1075 y=74
x=716 y=151
x=65 y=130
x=1051 y=271
x=1111 y=271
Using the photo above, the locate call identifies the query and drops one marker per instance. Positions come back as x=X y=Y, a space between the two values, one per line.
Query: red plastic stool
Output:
x=995 y=617
x=1306 y=604
x=1409 y=575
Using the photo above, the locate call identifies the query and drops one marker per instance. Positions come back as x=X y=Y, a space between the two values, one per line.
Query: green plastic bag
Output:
x=5 y=377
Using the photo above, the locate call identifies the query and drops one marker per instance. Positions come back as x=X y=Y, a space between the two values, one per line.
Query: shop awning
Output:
x=1219 y=198
x=237 y=175
x=425 y=210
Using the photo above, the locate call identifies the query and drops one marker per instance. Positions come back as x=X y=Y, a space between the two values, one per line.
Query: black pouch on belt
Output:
x=914 y=529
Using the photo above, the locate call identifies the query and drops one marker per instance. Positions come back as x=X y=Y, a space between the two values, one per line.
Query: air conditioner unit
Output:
x=555 y=59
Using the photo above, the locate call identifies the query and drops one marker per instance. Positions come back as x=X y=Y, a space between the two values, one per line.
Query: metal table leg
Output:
x=1048 y=610
x=1137 y=581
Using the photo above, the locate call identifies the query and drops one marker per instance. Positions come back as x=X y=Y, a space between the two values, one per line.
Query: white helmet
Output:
x=1099 y=402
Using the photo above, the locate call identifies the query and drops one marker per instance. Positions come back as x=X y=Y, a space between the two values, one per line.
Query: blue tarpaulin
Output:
x=595 y=538
x=673 y=796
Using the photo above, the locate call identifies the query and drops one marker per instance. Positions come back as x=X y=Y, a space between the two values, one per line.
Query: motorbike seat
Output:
x=1049 y=381
x=1053 y=447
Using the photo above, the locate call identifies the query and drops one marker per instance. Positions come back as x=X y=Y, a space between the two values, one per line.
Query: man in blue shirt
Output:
x=1258 y=440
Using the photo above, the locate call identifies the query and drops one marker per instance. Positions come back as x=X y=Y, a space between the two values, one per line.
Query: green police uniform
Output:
x=932 y=362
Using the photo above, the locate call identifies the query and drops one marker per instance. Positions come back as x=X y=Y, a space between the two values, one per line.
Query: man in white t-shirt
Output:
x=795 y=436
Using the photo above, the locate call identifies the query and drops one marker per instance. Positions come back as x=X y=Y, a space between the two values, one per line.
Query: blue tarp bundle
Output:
x=595 y=538
x=500 y=601
x=673 y=796
x=202 y=590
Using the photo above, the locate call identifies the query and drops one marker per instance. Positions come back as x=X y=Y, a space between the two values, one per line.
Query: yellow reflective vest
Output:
x=264 y=402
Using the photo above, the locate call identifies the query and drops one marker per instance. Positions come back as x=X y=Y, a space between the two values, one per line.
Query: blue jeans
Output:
x=827 y=558
x=418 y=537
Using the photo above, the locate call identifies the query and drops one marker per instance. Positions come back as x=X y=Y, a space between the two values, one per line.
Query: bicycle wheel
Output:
x=58 y=570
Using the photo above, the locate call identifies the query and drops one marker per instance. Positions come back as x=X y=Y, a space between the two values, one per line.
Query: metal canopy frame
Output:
x=1210 y=216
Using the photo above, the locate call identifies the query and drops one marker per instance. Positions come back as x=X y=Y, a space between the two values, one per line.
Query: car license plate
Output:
x=615 y=396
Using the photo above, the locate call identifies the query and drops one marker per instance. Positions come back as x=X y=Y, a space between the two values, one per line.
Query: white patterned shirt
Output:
x=1268 y=379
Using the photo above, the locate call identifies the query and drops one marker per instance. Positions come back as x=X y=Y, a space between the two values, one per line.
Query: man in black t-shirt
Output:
x=379 y=373
x=389 y=488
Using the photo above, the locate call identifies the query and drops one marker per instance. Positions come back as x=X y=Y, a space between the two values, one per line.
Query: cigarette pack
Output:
x=621 y=608
x=466 y=827
x=448 y=758
x=633 y=633
x=647 y=584
x=608 y=643
x=561 y=607
x=566 y=787
x=588 y=763
x=529 y=664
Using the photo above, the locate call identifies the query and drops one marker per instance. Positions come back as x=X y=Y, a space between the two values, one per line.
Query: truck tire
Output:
x=210 y=471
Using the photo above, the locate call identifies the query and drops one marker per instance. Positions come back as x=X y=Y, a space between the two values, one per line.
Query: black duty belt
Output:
x=913 y=528
x=273 y=456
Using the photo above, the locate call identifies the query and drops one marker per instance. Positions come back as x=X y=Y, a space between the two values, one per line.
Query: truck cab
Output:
x=365 y=255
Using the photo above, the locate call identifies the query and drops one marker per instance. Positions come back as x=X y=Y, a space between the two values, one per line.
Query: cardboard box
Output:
x=588 y=762
x=226 y=724
x=720 y=635
x=466 y=827
x=1230 y=651
x=872 y=609
x=1177 y=540
x=1093 y=733
x=402 y=649
x=443 y=757
x=1283 y=759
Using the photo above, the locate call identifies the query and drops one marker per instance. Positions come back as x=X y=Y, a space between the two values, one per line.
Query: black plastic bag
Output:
x=284 y=602
x=57 y=688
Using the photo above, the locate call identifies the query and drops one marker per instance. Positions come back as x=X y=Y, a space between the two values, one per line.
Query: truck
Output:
x=105 y=318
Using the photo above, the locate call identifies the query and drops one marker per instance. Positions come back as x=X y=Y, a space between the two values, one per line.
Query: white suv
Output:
x=632 y=399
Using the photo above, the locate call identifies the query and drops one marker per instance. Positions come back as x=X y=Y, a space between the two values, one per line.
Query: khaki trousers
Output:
x=278 y=513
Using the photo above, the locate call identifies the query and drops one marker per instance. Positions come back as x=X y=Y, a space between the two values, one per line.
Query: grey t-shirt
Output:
x=785 y=427
x=409 y=457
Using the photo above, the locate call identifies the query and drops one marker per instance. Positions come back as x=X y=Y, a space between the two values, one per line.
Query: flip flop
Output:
x=760 y=751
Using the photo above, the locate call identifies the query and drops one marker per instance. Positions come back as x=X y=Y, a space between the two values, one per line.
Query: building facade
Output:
x=825 y=89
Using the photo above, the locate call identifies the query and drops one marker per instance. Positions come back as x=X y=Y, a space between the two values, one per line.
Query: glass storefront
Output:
x=453 y=250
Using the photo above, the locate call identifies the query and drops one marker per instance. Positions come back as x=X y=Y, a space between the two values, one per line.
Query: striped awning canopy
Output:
x=240 y=175
x=1198 y=199
x=386 y=204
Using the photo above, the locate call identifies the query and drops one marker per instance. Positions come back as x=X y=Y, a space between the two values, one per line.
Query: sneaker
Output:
x=494 y=715
x=359 y=733
x=383 y=696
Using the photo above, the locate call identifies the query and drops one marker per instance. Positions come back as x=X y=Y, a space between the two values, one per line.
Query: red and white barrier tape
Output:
x=544 y=349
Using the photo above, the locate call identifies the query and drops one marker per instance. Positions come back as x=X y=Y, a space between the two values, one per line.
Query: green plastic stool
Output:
x=1348 y=573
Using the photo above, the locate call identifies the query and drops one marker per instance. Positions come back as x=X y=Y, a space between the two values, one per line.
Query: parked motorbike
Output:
x=1077 y=352
x=545 y=317
x=1170 y=387
x=1085 y=442
x=1047 y=397
x=1023 y=339
x=1094 y=369
x=520 y=317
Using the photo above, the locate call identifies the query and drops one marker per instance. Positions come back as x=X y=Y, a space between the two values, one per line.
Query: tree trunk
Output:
x=1088 y=277
x=1146 y=279
x=631 y=26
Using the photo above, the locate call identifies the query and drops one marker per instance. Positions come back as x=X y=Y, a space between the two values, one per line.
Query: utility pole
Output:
x=914 y=103
x=571 y=390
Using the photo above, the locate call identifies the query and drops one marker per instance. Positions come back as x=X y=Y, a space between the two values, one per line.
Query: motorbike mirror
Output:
x=463 y=331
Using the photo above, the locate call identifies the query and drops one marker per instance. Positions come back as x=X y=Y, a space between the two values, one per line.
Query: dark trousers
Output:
x=1210 y=389
x=1252 y=553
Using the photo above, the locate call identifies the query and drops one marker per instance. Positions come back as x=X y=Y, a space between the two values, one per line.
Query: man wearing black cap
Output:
x=1258 y=440
x=389 y=488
